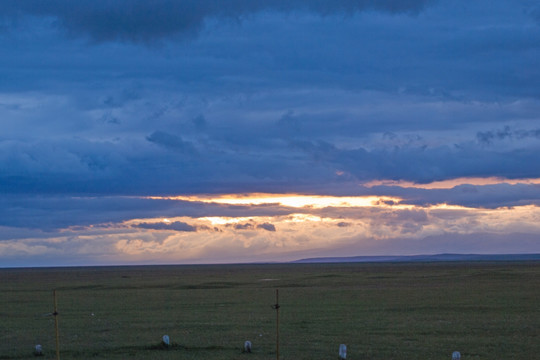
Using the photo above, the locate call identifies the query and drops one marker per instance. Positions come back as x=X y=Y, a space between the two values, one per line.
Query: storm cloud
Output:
x=110 y=109
x=172 y=226
x=141 y=21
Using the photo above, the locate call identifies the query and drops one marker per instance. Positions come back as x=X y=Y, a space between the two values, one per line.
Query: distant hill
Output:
x=424 y=258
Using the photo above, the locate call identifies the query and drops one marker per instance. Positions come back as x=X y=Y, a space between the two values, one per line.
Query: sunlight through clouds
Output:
x=290 y=200
x=241 y=131
x=369 y=227
x=315 y=231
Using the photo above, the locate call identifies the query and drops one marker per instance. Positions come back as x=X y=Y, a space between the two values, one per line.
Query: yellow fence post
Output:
x=55 y=314
x=276 y=306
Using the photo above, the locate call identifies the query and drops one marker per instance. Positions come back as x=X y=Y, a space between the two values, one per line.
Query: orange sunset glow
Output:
x=369 y=224
x=247 y=131
x=291 y=200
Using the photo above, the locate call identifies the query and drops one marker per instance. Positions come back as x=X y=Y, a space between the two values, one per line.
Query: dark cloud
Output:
x=172 y=226
x=171 y=142
x=489 y=137
x=143 y=21
x=106 y=168
x=54 y=212
x=250 y=226
x=267 y=226
x=423 y=164
x=246 y=226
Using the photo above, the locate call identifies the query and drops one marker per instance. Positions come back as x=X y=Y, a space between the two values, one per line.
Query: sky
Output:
x=223 y=131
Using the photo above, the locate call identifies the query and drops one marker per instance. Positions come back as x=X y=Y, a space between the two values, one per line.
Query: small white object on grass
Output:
x=342 y=351
x=166 y=340
x=247 y=346
x=39 y=350
x=456 y=355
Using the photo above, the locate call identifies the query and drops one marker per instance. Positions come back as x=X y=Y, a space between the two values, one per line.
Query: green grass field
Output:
x=380 y=311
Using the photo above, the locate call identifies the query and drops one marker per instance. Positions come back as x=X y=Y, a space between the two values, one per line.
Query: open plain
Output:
x=485 y=310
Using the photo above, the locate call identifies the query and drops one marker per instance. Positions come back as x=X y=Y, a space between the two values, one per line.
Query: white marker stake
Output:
x=342 y=352
x=39 y=350
x=247 y=346
x=166 y=340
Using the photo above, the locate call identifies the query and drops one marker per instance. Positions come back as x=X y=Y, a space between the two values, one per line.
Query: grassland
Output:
x=381 y=311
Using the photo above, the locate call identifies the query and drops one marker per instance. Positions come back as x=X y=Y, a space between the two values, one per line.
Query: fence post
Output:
x=55 y=314
x=276 y=307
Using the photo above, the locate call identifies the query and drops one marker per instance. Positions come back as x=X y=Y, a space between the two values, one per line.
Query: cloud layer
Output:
x=105 y=103
x=201 y=232
x=141 y=21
